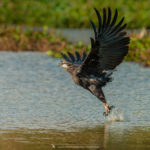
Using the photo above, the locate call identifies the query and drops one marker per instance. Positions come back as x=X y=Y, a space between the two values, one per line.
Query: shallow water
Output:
x=40 y=106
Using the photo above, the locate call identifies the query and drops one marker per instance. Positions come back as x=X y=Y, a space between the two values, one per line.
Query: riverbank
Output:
x=53 y=42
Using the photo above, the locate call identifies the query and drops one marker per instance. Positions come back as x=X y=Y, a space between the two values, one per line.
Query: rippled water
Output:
x=38 y=99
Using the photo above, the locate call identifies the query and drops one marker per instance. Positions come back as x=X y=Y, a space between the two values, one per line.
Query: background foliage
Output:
x=18 y=39
x=71 y=14
x=14 y=14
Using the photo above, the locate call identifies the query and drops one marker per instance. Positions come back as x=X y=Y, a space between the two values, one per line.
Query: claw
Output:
x=108 y=109
x=105 y=114
x=112 y=106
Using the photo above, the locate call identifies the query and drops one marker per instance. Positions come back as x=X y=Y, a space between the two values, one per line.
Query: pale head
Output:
x=65 y=65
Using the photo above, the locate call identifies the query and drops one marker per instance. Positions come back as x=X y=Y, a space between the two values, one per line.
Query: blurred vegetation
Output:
x=139 y=48
x=18 y=39
x=71 y=14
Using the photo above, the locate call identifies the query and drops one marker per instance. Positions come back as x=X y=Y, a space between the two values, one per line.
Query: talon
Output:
x=112 y=106
x=105 y=114
x=108 y=109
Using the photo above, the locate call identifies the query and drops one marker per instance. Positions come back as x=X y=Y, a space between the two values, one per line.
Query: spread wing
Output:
x=75 y=60
x=110 y=45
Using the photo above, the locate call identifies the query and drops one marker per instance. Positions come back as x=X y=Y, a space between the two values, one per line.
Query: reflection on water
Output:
x=42 y=108
x=100 y=138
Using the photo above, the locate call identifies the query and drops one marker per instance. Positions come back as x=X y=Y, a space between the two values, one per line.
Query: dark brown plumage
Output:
x=108 y=50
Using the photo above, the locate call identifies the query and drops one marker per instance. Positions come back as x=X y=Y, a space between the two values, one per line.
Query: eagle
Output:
x=108 y=49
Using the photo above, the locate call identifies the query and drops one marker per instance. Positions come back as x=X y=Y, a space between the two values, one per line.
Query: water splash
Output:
x=116 y=115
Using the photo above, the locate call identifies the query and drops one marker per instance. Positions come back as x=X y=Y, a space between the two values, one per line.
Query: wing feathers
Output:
x=83 y=57
x=94 y=28
x=99 y=19
x=77 y=56
x=110 y=45
x=109 y=17
x=115 y=18
x=104 y=19
x=118 y=26
x=65 y=57
x=71 y=56
x=75 y=60
x=92 y=42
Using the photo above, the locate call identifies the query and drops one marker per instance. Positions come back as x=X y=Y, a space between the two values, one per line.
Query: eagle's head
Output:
x=65 y=65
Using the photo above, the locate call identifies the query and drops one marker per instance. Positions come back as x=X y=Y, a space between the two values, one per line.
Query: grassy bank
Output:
x=139 y=48
x=70 y=14
x=16 y=39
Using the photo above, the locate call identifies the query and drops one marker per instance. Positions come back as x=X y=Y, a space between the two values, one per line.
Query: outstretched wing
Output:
x=109 y=46
x=75 y=60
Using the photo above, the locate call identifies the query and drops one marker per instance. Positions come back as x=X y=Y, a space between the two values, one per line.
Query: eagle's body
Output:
x=108 y=49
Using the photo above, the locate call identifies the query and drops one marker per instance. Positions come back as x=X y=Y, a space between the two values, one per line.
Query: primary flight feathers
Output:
x=77 y=59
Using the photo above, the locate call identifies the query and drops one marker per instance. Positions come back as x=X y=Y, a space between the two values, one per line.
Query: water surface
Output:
x=42 y=108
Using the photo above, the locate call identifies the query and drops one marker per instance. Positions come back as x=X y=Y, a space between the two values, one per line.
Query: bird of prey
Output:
x=108 y=49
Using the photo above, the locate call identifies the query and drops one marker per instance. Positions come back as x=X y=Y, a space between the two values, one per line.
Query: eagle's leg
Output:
x=97 y=91
x=107 y=107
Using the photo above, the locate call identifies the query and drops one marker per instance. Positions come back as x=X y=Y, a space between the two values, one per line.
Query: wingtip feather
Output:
x=65 y=57
x=92 y=42
x=99 y=19
x=94 y=28
x=71 y=56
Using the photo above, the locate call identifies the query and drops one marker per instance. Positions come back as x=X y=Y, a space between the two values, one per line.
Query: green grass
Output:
x=139 y=49
x=71 y=14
